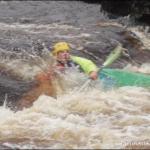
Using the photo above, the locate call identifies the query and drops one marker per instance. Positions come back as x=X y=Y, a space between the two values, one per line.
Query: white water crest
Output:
x=92 y=118
x=144 y=68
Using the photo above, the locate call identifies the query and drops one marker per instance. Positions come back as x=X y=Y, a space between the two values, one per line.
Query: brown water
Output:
x=91 y=118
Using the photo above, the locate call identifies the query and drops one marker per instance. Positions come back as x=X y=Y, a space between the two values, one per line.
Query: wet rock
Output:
x=138 y=10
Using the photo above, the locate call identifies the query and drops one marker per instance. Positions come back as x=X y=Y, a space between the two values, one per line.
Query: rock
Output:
x=138 y=10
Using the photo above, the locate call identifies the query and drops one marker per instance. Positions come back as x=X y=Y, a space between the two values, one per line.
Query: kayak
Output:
x=119 y=78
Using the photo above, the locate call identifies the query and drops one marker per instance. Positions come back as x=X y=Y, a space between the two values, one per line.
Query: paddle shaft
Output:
x=114 y=55
x=109 y=60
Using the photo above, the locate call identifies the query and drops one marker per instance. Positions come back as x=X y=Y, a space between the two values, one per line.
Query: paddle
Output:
x=109 y=60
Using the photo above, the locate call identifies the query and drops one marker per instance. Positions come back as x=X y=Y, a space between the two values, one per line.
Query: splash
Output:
x=143 y=35
x=144 y=68
x=92 y=118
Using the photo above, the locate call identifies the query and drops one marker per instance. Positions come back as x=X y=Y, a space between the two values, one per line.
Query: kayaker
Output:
x=61 y=52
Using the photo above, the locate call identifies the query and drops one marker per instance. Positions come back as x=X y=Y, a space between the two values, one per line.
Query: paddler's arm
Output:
x=87 y=66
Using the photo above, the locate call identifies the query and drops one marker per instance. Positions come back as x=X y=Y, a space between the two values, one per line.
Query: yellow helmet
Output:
x=60 y=46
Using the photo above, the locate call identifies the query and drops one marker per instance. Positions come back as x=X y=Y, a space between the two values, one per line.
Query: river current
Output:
x=91 y=118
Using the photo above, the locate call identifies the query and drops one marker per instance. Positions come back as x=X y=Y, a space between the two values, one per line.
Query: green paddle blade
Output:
x=113 y=56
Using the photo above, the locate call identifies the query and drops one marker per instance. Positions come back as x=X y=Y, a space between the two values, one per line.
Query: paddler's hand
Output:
x=93 y=75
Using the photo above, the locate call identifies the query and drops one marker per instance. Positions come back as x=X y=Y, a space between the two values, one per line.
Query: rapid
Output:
x=91 y=118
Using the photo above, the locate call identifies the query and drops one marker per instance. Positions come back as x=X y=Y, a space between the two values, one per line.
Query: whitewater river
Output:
x=91 y=118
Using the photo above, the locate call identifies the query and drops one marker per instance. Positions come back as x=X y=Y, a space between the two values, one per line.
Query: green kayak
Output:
x=118 y=77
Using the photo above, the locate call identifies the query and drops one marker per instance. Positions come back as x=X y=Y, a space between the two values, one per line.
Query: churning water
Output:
x=91 y=118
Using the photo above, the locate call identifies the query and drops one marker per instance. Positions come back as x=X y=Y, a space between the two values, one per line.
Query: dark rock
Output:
x=138 y=10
